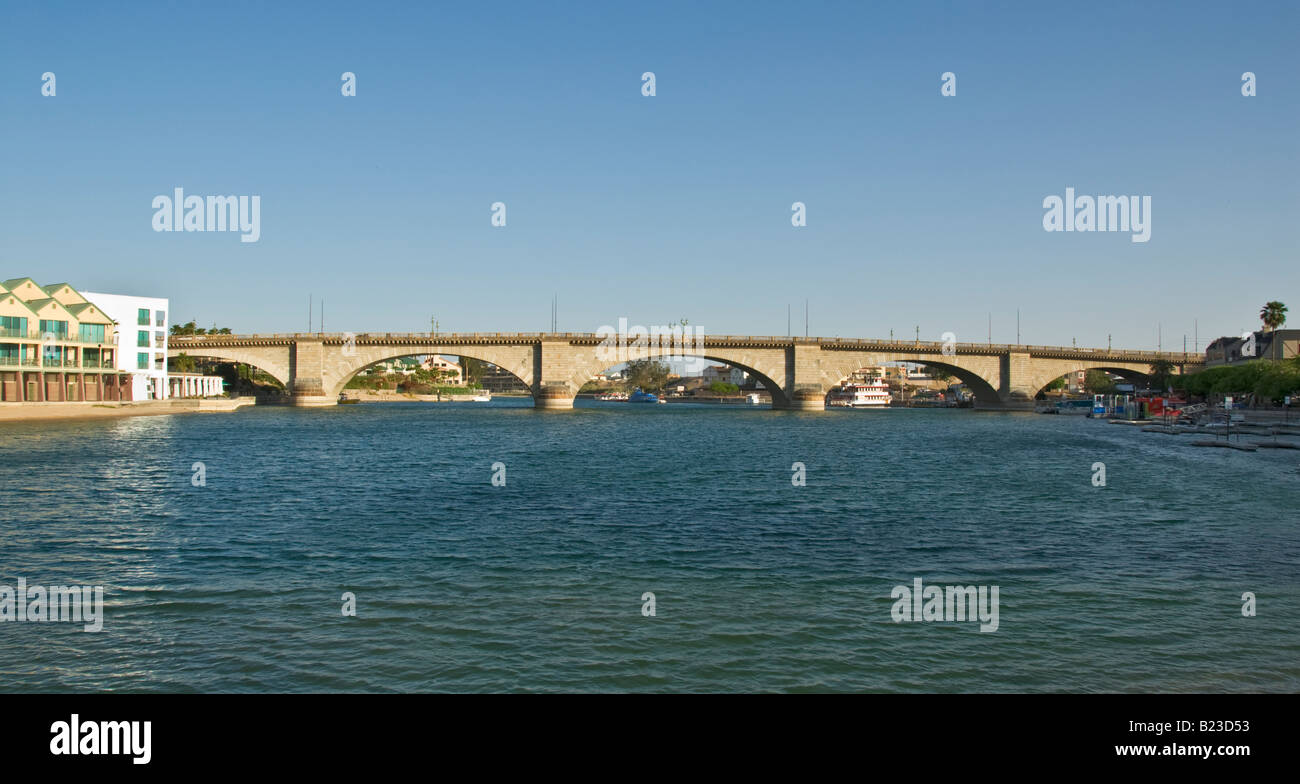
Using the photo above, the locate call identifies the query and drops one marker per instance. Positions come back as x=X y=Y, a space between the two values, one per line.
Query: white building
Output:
x=142 y=348
x=141 y=340
x=723 y=373
x=450 y=370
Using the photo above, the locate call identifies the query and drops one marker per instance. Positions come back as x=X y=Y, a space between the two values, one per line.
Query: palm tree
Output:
x=1273 y=314
x=1161 y=370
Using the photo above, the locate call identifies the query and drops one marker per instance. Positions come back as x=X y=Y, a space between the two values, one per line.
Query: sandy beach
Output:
x=33 y=412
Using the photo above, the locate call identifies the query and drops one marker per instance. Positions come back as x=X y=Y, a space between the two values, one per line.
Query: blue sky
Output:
x=922 y=210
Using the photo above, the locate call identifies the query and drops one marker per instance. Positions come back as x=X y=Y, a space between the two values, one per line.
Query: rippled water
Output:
x=537 y=585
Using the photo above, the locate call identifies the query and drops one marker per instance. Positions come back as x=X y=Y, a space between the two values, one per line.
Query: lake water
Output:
x=537 y=585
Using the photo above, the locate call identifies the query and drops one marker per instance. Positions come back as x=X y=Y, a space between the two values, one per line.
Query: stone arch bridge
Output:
x=798 y=372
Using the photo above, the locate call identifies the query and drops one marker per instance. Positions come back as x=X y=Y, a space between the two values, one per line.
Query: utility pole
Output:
x=918 y=333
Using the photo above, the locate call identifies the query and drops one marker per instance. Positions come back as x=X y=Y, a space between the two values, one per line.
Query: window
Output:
x=13 y=326
x=142 y=317
x=9 y=353
x=142 y=361
x=142 y=339
x=160 y=318
x=160 y=340
x=92 y=333
x=58 y=328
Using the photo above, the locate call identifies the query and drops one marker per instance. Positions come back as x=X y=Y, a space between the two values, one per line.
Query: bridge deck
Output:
x=731 y=341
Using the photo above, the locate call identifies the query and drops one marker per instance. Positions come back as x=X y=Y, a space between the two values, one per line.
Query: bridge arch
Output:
x=986 y=395
x=272 y=360
x=1136 y=377
x=768 y=366
x=515 y=362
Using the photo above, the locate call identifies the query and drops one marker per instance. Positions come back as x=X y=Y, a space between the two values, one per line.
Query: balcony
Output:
x=17 y=362
x=38 y=336
x=50 y=364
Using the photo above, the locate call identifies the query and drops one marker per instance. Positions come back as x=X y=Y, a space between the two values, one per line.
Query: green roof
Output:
x=14 y=283
x=22 y=302
x=37 y=304
x=78 y=308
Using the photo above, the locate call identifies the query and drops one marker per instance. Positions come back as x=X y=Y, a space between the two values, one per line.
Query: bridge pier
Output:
x=806 y=400
x=553 y=397
x=306 y=385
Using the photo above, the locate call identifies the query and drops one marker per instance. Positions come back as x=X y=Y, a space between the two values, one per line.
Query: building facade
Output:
x=56 y=345
x=141 y=341
x=724 y=373
x=450 y=372
x=1276 y=345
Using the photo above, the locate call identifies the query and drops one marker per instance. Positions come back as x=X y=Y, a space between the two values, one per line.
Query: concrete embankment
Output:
x=24 y=412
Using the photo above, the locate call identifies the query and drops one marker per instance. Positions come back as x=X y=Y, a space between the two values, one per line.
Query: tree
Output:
x=937 y=373
x=1273 y=314
x=190 y=328
x=1098 y=383
x=184 y=363
x=647 y=374
x=1161 y=371
x=472 y=369
x=1055 y=384
x=723 y=388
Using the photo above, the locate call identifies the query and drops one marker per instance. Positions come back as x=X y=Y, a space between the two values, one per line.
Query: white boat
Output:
x=486 y=397
x=872 y=394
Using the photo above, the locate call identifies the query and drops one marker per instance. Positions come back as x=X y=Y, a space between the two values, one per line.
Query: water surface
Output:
x=536 y=586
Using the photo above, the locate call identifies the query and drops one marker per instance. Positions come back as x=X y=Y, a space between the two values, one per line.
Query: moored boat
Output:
x=872 y=394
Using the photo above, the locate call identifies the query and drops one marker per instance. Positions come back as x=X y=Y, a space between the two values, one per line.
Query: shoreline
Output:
x=368 y=396
x=44 y=412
